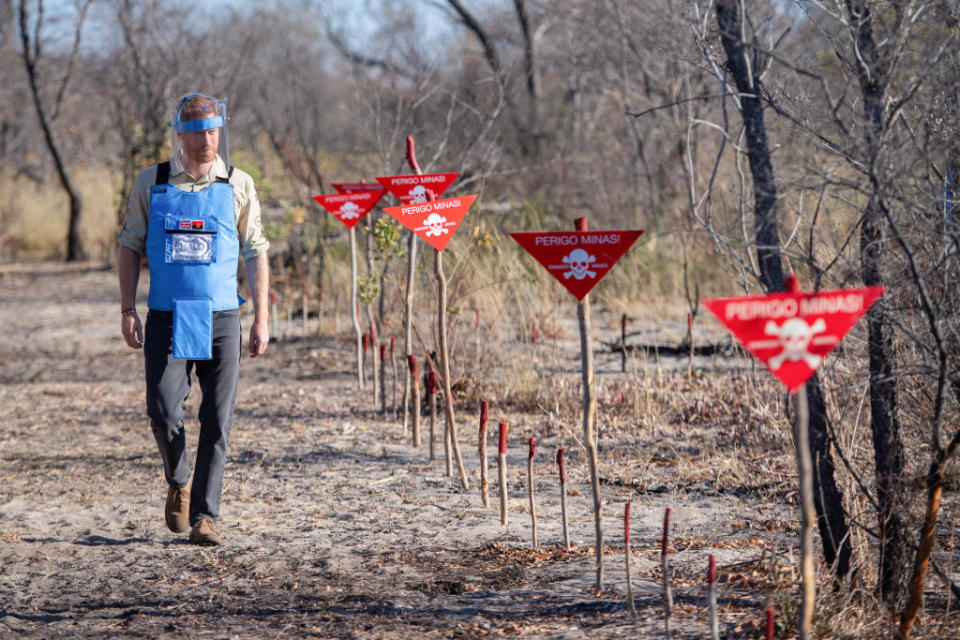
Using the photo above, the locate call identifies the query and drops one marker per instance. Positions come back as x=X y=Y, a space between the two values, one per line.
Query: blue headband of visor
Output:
x=197 y=125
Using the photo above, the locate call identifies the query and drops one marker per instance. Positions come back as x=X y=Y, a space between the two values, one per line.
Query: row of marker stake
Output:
x=562 y=474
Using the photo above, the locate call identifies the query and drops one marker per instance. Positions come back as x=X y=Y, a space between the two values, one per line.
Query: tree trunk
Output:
x=758 y=153
x=834 y=530
x=888 y=451
x=828 y=500
x=75 y=250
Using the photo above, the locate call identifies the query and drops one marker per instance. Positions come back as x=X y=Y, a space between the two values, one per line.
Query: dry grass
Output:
x=34 y=215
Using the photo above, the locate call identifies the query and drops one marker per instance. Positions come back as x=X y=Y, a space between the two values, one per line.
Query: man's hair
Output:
x=197 y=108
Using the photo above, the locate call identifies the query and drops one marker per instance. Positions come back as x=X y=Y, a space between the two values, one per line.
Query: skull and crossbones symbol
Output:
x=349 y=211
x=435 y=223
x=579 y=262
x=418 y=194
x=795 y=336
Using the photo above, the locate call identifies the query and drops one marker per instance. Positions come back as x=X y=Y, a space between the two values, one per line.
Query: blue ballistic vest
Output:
x=192 y=244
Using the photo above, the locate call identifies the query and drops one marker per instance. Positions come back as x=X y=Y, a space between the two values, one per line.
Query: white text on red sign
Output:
x=575 y=240
x=417 y=179
x=427 y=207
x=790 y=307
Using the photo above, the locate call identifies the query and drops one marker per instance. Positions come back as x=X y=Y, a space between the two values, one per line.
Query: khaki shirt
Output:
x=133 y=234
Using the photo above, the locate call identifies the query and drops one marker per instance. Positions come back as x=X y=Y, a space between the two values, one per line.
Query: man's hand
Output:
x=132 y=330
x=259 y=337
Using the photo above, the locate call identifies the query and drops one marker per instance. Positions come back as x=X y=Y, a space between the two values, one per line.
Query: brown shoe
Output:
x=177 y=511
x=204 y=534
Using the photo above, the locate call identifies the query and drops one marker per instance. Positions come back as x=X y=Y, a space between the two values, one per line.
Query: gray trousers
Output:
x=168 y=385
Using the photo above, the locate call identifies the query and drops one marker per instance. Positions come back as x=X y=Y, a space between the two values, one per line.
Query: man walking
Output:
x=193 y=217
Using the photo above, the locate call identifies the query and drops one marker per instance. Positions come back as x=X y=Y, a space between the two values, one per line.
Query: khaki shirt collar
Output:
x=217 y=170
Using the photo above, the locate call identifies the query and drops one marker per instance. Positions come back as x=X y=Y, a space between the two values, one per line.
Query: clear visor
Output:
x=184 y=130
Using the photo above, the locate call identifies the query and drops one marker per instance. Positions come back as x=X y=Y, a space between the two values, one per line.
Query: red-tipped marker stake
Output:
x=502 y=469
x=667 y=593
x=530 y=490
x=383 y=378
x=712 y=598
x=562 y=472
x=415 y=398
x=482 y=451
x=393 y=366
x=626 y=552
x=410 y=381
x=770 y=627
x=801 y=426
x=374 y=352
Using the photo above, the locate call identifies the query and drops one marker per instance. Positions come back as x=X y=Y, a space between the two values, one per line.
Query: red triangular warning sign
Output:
x=792 y=333
x=577 y=259
x=433 y=221
x=349 y=208
x=413 y=189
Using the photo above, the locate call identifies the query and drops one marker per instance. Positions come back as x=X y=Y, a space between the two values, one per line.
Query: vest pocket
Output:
x=192 y=328
x=190 y=240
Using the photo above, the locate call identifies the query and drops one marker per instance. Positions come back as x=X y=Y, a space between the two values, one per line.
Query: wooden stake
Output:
x=589 y=418
x=408 y=301
x=415 y=393
x=712 y=598
x=432 y=395
x=482 y=451
x=502 y=469
x=354 y=310
x=808 y=579
x=563 y=497
x=626 y=552
x=770 y=626
x=664 y=557
x=531 y=489
x=445 y=365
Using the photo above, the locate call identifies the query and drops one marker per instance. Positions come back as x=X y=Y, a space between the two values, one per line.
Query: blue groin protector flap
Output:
x=193 y=328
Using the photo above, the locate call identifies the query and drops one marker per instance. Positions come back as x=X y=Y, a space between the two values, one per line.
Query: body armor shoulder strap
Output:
x=163 y=173
x=229 y=175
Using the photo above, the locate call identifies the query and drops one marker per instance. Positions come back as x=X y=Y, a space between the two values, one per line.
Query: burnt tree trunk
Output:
x=895 y=547
x=31 y=55
x=831 y=517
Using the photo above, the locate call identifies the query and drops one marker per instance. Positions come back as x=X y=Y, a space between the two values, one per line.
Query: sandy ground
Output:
x=334 y=525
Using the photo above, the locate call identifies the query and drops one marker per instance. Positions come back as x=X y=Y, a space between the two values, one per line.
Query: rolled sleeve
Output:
x=253 y=242
x=133 y=233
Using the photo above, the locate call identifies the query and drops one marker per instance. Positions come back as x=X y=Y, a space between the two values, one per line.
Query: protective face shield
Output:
x=192 y=118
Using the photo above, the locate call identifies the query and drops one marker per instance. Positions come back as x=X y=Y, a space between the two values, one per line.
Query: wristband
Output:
x=128 y=312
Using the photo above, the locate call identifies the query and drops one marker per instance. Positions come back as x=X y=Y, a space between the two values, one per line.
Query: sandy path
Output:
x=334 y=527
